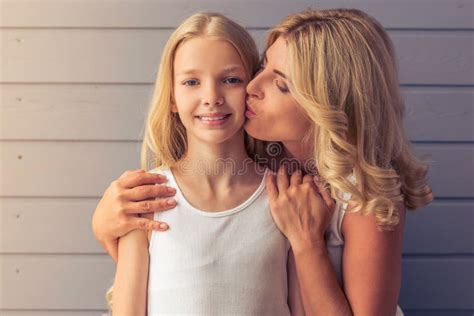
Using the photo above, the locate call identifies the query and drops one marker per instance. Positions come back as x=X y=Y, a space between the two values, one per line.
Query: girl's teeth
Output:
x=204 y=118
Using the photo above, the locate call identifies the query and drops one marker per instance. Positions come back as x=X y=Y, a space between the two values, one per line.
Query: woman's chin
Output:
x=259 y=131
x=251 y=129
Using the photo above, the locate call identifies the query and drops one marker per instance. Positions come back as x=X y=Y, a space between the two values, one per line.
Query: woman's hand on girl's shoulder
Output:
x=301 y=208
x=134 y=192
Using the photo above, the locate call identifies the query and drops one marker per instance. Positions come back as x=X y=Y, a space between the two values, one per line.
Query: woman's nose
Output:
x=254 y=87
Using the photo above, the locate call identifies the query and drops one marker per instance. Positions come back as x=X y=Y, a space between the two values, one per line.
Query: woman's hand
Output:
x=132 y=193
x=301 y=208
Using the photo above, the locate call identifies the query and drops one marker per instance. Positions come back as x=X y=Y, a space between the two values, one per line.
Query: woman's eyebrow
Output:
x=278 y=72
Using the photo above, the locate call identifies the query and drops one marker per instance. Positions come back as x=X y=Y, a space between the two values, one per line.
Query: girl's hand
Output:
x=118 y=211
x=301 y=209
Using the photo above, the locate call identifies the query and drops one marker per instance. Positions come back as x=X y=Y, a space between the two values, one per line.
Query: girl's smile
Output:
x=213 y=119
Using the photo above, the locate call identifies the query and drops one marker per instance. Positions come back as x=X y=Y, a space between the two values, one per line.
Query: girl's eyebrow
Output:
x=226 y=69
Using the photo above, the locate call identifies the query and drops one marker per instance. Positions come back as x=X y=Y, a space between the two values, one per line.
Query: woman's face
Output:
x=272 y=112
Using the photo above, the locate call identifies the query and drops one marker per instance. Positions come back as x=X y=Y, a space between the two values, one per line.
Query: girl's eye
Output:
x=232 y=80
x=283 y=88
x=190 y=82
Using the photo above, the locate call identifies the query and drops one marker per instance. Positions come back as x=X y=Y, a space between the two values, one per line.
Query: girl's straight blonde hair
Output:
x=343 y=74
x=165 y=140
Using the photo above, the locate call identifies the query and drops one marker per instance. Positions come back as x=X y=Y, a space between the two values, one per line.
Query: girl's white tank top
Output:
x=231 y=262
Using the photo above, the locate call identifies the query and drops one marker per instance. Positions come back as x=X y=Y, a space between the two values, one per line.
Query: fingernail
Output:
x=171 y=202
x=171 y=190
x=163 y=226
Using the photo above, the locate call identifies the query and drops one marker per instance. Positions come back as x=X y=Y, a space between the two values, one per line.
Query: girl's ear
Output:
x=174 y=108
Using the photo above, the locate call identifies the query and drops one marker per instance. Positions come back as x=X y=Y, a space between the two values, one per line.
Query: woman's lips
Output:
x=249 y=113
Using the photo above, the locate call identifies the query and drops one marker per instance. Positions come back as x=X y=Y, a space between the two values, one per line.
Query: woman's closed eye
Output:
x=282 y=86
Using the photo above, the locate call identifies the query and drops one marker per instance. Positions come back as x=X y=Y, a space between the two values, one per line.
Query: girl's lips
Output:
x=214 y=122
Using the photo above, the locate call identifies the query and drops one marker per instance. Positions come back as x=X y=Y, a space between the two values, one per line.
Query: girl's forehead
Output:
x=203 y=53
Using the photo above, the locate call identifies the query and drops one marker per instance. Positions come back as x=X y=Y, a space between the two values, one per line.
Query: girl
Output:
x=224 y=254
x=337 y=69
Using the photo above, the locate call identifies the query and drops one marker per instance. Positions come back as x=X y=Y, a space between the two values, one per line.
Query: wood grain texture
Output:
x=133 y=55
x=443 y=227
x=72 y=282
x=437 y=283
x=262 y=14
x=54 y=313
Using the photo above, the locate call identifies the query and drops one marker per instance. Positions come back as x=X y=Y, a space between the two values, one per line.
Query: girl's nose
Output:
x=213 y=95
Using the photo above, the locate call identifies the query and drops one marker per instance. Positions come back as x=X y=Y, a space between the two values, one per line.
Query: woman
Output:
x=328 y=91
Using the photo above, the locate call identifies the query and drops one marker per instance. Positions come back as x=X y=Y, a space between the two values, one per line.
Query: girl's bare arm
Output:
x=131 y=276
x=133 y=193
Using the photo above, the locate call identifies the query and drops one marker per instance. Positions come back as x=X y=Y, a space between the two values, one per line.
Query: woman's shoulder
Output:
x=343 y=205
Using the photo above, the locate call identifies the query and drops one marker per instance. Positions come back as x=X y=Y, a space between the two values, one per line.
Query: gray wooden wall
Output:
x=75 y=80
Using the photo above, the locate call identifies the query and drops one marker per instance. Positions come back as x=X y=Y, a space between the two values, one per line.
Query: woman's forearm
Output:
x=320 y=290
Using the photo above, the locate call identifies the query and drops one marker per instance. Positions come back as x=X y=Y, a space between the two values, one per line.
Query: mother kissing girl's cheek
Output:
x=326 y=99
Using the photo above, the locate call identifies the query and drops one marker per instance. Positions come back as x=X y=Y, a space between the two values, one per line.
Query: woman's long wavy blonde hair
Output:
x=165 y=140
x=343 y=74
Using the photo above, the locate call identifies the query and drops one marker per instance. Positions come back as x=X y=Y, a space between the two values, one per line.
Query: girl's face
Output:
x=273 y=114
x=209 y=82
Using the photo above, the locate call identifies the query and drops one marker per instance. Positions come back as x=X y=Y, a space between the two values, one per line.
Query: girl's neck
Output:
x=226 y=164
